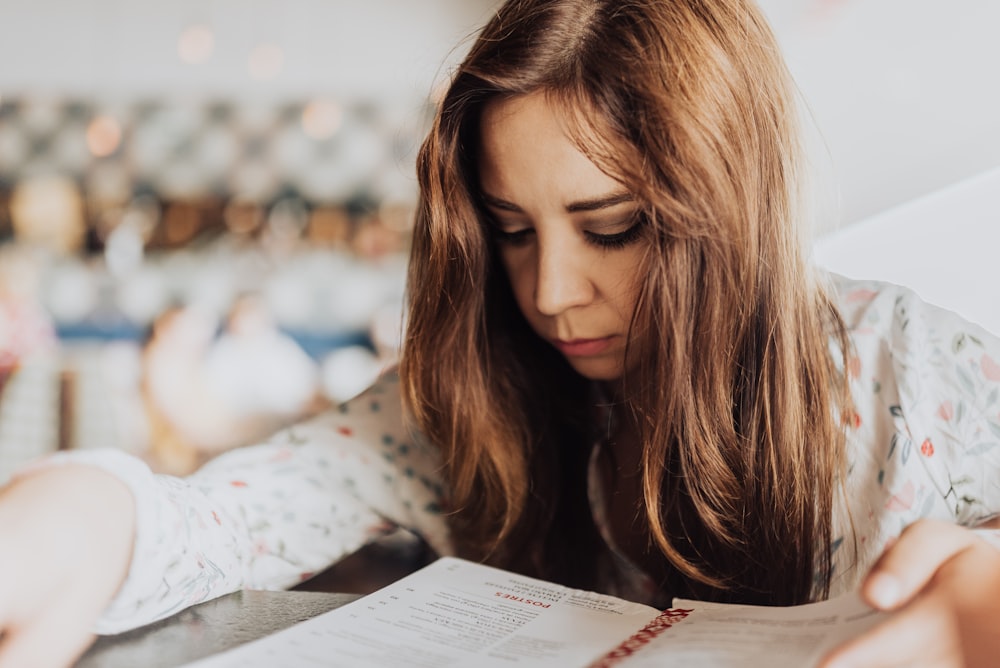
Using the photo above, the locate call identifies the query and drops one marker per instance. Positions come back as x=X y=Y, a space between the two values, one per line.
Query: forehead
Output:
x=535 y=138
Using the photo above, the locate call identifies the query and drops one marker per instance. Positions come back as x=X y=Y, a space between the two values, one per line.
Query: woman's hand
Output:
x=943 y=582
x=65 y=545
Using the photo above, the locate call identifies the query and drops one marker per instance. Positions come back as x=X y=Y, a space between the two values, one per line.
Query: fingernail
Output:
x=883 y=590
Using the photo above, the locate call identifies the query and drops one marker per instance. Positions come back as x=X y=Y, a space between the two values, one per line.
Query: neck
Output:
x=613 y=390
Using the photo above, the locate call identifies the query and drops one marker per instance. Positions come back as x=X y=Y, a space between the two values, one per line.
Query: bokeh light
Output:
x=321 y=119
x=196 y=44
x=104 y=135
x=266 y=62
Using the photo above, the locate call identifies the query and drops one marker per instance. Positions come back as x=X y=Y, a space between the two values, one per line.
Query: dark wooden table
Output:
x=237 y=618
x=209 y=628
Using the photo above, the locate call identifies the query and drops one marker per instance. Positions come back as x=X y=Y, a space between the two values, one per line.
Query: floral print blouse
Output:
x=925 y=442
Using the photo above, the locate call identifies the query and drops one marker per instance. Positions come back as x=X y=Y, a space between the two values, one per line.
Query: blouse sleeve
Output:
x=925 y=438
x=948 y=374
x=269 y=516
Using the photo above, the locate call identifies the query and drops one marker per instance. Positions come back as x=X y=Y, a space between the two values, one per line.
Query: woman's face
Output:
x=569 y=235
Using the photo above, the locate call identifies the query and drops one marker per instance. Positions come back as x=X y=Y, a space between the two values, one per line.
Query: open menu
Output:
x=457 y=613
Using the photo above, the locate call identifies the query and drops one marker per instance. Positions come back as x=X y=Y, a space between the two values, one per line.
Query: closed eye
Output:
x=618 y=239
x=515 y=238
x=609 y=241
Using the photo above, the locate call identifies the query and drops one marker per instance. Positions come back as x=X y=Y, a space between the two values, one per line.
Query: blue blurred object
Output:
x=316 y=344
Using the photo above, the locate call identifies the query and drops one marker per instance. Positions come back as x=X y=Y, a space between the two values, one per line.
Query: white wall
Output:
x=905 y=245
x=906 y=93
x=370 y=48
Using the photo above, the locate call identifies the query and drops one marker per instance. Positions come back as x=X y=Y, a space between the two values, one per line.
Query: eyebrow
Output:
x=595 y=204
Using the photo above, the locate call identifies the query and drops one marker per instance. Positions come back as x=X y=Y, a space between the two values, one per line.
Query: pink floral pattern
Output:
x=923 y=443
x=928 y=391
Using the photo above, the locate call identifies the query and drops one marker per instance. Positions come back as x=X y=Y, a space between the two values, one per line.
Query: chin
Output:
x=598 y=369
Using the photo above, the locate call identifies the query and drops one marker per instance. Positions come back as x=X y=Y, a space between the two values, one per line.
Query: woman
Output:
x=619 y=373
x=695 y=177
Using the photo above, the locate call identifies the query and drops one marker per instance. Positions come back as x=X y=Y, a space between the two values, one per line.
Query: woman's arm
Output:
x=271 y=515
x=263 y=516
x=66 y=536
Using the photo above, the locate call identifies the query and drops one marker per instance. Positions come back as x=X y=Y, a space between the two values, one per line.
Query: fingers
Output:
x=55 y=634
x=944 y=586
x=57 y=640
x=907 y=566
x=911 y=637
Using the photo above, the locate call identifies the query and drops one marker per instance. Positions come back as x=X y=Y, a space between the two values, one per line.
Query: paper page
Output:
x=452 y=613
x=714 y=635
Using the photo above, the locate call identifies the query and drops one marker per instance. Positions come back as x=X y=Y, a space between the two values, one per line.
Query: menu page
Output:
x=452 y=613
x=748 y=636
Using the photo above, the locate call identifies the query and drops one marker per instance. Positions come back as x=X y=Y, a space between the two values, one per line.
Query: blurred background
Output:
x=205 y=205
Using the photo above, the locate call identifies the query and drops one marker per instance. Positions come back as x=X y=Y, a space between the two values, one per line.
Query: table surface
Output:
x=234 y=619
x=209 y=628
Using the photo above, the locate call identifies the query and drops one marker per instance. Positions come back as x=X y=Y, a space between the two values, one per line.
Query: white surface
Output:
x=376 y=49
x=945 y=245
x=903 y=92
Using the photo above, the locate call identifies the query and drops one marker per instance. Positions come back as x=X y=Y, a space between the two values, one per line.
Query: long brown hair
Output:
x=739 y=399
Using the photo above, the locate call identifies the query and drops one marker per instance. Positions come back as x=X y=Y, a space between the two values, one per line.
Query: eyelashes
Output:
x=518 y=238
x=607 y=241
x=619 y=239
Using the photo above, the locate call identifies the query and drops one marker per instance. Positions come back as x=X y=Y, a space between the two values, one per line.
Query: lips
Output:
x=583 y=347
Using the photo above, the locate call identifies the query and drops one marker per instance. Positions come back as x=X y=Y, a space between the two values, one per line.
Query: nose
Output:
x=562 y=280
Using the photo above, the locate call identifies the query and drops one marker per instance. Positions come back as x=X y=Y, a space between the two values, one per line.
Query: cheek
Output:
x=521 y=277
x=622 y=284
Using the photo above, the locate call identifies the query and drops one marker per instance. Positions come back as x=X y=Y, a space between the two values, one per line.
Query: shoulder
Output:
x=373 y=422
x=896 y=320
x=378 y=409
x=933 y=357
x=381 y=403
x=871 y=305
